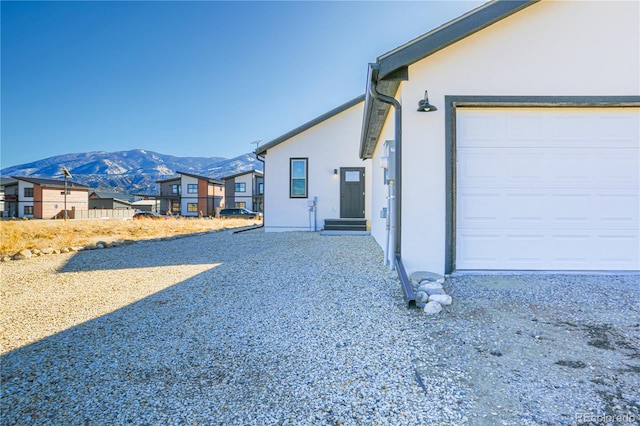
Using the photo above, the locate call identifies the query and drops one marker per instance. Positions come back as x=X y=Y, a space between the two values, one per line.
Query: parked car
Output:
x=148 y=215
x=239 y=213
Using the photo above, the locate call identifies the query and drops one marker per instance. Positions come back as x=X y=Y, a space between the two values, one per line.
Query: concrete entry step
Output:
x=345 y=224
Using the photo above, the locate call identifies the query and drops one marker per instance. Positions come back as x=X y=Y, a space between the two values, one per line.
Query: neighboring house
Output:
x=108 y=200
x=245 y=190
x=191 y=195
x=4 y=182
x=531 y=160
x=37 y=198
x=314 y=177
x=147 y=205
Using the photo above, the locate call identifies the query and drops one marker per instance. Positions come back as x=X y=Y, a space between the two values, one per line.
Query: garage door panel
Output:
x=555 y=189
x=619 y=211
x=481 y=168
x=535 y=250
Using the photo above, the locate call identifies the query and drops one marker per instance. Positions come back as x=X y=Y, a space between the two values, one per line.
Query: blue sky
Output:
x=202 y=78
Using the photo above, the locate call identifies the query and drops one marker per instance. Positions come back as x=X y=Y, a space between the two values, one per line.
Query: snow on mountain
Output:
x=131 y=172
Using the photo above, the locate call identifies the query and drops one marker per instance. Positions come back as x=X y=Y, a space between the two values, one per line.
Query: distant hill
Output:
x=131 y=172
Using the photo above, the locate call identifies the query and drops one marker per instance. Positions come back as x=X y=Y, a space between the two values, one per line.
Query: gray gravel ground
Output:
x=301 y=329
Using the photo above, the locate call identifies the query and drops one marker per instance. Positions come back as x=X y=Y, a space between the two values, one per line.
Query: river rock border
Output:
x=430 y=294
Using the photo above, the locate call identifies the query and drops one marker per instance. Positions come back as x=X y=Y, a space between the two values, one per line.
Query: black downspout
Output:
x=264 y=172
x=402 y=274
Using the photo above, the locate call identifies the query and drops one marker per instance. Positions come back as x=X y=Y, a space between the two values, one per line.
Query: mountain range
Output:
x=131 y=172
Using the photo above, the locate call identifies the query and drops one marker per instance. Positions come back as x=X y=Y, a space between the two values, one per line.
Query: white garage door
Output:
x=548 y=188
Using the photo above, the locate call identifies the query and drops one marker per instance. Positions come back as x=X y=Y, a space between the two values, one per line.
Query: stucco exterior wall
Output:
x=552 y=48
x=331 y=144
x=379 y=193
x=53 y=202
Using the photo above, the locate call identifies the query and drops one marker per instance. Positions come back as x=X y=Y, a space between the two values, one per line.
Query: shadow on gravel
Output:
x=224 y=343
x=192 y=250
x=110 y=369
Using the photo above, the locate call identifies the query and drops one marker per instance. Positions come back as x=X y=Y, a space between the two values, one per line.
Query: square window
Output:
x=241 y=204
x=192 y=207
x=28 y=209
x=241 y=187
x=28 y=192
x=192 y=188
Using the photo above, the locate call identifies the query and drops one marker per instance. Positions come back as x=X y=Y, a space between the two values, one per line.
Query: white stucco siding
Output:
x=186 y=197
x=552 y=48
x=331 y=144
x=379 y=190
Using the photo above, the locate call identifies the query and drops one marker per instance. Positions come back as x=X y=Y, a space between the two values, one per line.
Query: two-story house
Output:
x=245 y=190
x=191 y=195
x=37 y=198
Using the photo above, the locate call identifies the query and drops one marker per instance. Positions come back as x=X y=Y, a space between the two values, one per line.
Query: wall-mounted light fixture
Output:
x=335 y=172
x=424 y=105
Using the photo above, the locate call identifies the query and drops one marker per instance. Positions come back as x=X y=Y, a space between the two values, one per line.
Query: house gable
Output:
x=390 y=68
x=545 y=57
x=321 y=147
x=262 y=150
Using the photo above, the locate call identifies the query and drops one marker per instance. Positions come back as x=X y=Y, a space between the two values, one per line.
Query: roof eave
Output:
x=262 y=150
x=388 y=66
x=448 y=34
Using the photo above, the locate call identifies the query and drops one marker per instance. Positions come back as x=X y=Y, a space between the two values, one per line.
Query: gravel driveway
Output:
x=298 y=328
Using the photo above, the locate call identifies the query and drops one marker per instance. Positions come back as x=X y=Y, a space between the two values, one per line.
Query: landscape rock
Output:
x=426 y=286
x=421 y=297
x=431 y=292
x=421 y=276
x=5 y=258
x=48 y=250
x=443 y=299
x=432 y=308
x=22 y=254
x=64 y=250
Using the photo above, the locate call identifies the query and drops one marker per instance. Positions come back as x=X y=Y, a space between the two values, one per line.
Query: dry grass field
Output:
x=30 y=234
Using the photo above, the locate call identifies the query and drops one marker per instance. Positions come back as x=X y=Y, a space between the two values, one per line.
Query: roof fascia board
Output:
x=448 y=34
x=254 y=171
x=263 y=149
x=52 y=183
x=208 y=179
x=375 y=115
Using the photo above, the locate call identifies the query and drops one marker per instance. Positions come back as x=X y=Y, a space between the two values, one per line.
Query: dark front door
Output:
x=352 y=192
